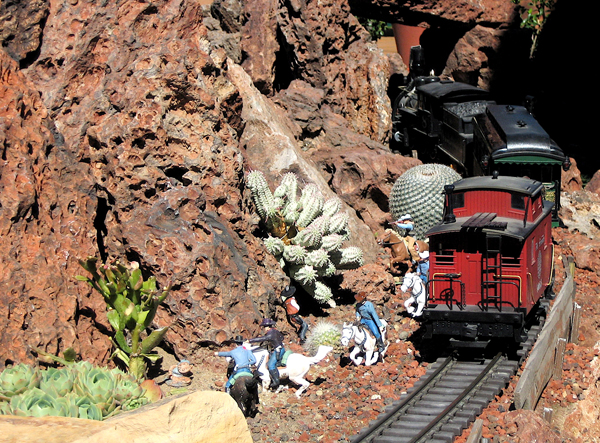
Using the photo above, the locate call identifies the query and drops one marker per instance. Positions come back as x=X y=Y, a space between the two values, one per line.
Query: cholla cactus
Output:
x=306 y=232
x=324 y=333
x=418 y=192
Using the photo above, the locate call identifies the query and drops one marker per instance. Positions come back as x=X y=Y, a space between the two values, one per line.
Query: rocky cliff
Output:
x=127 y=129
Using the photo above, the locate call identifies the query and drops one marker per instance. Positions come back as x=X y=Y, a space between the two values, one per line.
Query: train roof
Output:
x=490 y=222
x=448 y=91
x=521 y=139
x=509 y=227
x=506 y=183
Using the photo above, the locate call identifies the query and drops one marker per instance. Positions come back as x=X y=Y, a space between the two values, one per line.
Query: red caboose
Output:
x=491 y=259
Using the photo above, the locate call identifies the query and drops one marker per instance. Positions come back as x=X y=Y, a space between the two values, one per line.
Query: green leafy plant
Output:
x=376 y=28
x=131 y=304
x=306 y=232
x=534 y=14
x=79 y=390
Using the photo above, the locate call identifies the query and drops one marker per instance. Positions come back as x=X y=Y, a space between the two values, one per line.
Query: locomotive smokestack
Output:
x=417 y=61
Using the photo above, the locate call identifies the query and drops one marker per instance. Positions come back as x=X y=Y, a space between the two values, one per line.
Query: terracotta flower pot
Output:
x=406 y=36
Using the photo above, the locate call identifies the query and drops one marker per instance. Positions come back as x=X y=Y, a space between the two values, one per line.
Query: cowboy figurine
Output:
x=423 y=267
x=243 y=358
x=405 y=222
x=275 y=340
x=291 y=309
x=365 y=313
x=418 y=294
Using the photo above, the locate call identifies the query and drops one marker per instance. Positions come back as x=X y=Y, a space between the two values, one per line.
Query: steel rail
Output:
x=379 y=425
x=442 y=416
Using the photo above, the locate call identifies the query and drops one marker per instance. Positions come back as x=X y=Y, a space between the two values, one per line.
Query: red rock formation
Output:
x=414 y=13
x=145 y=167
x=123 y=136
x=136 y=115
x=48 y=204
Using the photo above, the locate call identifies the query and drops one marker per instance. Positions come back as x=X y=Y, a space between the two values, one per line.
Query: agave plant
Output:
x=17 y=379
x=306 y=232
x=132 y=303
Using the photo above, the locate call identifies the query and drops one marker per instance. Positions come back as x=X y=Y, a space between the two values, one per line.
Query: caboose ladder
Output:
x=491 y=272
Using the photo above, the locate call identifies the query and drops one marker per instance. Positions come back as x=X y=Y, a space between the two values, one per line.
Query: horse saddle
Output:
x=283 y=362
x=239 y=375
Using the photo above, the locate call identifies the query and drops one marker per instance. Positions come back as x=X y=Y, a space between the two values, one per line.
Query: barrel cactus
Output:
x=306 y=232
x=324 y=333
x=419 y=192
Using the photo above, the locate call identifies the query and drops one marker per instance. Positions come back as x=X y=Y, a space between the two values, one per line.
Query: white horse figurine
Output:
x=295 y=369
x=364 y=343
x=418 y=294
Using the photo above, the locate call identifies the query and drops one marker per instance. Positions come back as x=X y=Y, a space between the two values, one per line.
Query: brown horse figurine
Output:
x=404 y=251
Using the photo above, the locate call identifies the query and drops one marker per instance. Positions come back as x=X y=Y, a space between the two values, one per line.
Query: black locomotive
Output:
x=458 y=124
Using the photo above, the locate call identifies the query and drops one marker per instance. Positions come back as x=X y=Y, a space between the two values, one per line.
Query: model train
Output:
x=456 y=123
x=491 y=260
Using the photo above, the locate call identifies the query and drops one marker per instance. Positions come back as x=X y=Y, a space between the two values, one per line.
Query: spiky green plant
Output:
x=324 y=333
x=418 y=192
x=306 y=232
x=131 y=304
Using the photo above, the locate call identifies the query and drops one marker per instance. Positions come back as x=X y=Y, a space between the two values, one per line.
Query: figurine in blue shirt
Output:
x=405 y=222
x=243 y=358
x=365 y=313
x=423 y=267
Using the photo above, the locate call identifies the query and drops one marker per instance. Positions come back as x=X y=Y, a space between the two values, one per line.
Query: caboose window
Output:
x=517 y=201
x=458 y=200
x=445 y=258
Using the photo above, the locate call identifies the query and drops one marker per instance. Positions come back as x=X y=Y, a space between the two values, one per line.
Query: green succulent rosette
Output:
x=37 y=403
x=98 y=384
x=83 y=407
x=17 y=379
x=57 y=381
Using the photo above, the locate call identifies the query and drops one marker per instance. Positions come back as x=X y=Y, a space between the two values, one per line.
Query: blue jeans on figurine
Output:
x=275 y=357
x=372 y=327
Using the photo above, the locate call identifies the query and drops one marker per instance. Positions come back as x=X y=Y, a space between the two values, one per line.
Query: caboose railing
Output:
x=447 y=295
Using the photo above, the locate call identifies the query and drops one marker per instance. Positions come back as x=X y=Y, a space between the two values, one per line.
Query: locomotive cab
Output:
x=490 y=259
x=508 y=139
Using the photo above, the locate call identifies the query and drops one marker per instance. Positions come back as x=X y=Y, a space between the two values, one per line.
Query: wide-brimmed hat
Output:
x=238 y=339
x=288 y=291
x=405 y=217
x=361 y=296
x=424 y=254
x=267 y=322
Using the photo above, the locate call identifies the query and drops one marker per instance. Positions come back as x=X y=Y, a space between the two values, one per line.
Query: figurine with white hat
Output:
x=405 y=222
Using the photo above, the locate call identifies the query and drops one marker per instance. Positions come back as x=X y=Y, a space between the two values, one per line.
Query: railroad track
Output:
x=443 y=402
x=450 y=395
